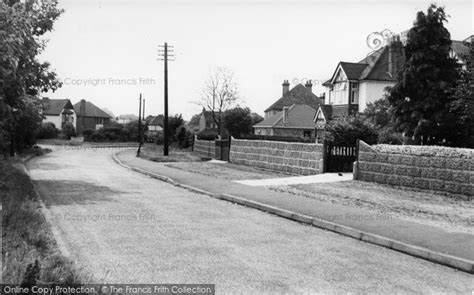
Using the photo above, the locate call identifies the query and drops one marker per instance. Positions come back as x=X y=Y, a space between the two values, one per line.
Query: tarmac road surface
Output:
x=124 y=227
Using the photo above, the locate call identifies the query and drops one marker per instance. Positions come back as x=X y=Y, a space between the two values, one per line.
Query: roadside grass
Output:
x=451 y=213
x=30 y=254
x=226 y=171
x=153 y=152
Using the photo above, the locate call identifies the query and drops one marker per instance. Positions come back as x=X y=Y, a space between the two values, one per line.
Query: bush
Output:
x=97 y=136
x=87 y=133
x=389 y=136
x=346 y=132
x=69 y=130
x=47 y=130
x=207 y=135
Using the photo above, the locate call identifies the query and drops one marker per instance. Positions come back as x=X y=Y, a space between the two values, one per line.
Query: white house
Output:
x=59 y=112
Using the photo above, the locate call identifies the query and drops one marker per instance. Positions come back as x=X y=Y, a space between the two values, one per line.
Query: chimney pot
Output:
x=309 y=85
x=286 y=86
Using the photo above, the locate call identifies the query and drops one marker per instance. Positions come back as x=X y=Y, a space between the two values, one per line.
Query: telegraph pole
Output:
x=139 y=125
x=165 y=54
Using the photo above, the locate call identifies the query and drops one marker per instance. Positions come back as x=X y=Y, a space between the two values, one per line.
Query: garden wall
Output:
x=424 y=167
x=204 y=148
x=288 y=157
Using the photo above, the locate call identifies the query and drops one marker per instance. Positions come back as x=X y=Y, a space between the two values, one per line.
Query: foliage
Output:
x=174 y=122
x=346 y=132
x=389 y=136
x=47 y=130
x=87 y=133
x=22 y=76
x=238 y=121
x=378 y=112
x=219 y=94
x=184 y=137
x=69 y=130
x=422 y=96
x=276 y=138
x=207 y=135
x=193 y=124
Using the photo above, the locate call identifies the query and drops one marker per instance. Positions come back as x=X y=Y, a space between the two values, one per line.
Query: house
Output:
x=89 y=116
x=125 y=119
x=297 y=95
x=206 y=122
x=354 y=85
x=58 y=111
x=293 y=121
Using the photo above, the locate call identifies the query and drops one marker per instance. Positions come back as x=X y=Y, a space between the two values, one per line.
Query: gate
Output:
x=222 y=149
x=339 y=158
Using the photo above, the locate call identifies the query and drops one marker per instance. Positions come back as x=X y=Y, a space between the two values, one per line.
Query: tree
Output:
x=174 y=122
x=22 y=76
x=378 y=113
x=238 y=121
x=219 y=94
x=422 y=94
x=69 y=130
x=193 y=124
x=346 y=132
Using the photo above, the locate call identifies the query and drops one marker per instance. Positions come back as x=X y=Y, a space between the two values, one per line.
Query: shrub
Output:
x=97 y=136
x=69 y=130
x=207 y=135
x=346 y=132
x=87 y=133
x=47 y=130
x=389 y=136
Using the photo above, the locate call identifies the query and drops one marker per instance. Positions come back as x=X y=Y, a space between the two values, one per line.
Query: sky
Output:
x=106 y=51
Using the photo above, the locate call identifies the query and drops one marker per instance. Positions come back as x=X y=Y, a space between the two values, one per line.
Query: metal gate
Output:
x=339 y=158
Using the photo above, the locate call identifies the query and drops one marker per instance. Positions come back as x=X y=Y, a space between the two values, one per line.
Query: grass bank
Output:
x=30 y=254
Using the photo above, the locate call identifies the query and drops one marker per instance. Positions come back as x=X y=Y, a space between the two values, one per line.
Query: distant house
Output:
x=206 y=122
x=155 y=123
x=58 y=111
x=125 y=119
x=293 y=121
x=297 y=95
x=89 y=116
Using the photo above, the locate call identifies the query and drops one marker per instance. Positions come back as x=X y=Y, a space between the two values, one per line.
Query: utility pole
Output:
x=165 y=54
x=139 y=125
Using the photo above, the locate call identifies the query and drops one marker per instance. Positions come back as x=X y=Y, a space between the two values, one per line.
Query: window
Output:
x=307 y=133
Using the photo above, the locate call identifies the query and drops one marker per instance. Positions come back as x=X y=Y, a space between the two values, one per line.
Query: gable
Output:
x=54 y=107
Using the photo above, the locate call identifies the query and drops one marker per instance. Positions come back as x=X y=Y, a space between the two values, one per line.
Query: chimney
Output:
x=322 y=98
x=309 y=85
x=286 y=86
x=285 y=115
x=395 y=53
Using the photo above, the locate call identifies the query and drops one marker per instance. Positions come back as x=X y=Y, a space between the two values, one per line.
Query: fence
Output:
x=204 y=148
x=288 y=157
x=424 y=167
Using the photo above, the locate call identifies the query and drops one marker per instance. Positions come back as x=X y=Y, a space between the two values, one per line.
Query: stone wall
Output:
x=288 y=157
x=433 y=168
x=204 y=148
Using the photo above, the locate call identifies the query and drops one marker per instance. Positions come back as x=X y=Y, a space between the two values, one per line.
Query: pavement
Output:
x=123 y=227
x=424 y=241
x=319 y=178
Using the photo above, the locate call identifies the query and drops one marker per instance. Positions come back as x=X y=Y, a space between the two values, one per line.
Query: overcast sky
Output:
x=106 y=51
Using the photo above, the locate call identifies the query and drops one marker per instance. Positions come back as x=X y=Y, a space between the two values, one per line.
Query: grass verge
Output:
x=30 y=254
x=153 y=152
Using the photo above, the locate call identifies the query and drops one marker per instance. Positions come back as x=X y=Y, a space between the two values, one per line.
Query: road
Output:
x=124 y=227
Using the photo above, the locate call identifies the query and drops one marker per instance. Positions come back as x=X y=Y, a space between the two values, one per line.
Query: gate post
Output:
x=325 y=156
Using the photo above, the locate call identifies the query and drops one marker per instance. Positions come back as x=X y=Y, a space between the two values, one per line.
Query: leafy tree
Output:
x=378 y=113
x=219 y=94
x=238 y=121
x=22 y=76
x=68 y=130
x=174 y=122
x=193 y=124
x=421 y=98
x=346 y=132
x=47 y=131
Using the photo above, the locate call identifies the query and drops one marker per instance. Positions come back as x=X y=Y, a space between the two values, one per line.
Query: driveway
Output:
x=123 y=227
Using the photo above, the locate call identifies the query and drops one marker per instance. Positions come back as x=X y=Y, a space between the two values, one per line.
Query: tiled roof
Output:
x=299 y=116
x=333 y=111
x=460 y=48
x=157 y=121
x=327 y=111
x=55 y=106
x=353 y=70
x=91 y=110
x=297 y=95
